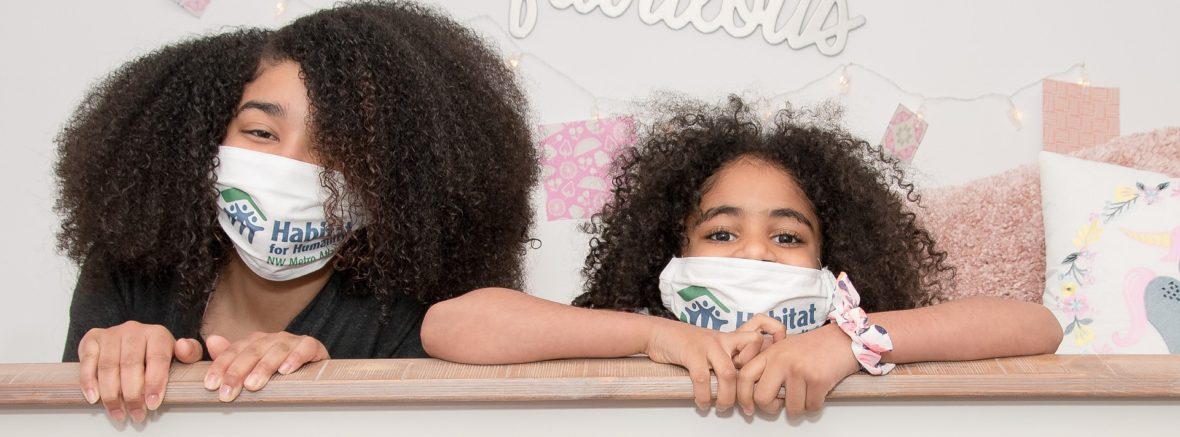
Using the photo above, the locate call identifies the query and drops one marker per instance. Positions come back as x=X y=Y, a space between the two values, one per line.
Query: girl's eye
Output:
x=261 y=134
x=721 y=236
x=787 y=239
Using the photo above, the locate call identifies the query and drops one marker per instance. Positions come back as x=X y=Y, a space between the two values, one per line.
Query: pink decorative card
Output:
x=904 y=134
x=195 y=7
x=1078 y=116
x=576 y=159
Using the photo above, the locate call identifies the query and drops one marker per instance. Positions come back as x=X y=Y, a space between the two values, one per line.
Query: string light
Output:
x=1015 y=114
x=844 y=80
x=280 y=7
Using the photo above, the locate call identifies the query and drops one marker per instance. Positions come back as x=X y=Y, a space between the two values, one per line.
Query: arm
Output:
x=496 y=326
x=969 y=329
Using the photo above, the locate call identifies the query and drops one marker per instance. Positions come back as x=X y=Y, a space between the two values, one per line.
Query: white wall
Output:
x=51 y=51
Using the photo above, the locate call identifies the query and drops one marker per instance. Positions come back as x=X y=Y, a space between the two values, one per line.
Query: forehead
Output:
x=279 y=82
x=756 y=186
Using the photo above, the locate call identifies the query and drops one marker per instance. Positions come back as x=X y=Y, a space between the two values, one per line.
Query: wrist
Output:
x=841 y=342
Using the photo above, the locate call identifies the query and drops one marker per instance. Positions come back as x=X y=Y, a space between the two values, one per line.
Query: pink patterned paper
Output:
x=195 y=7
x=904 y=134
x=576 y=159
x=1078 y=116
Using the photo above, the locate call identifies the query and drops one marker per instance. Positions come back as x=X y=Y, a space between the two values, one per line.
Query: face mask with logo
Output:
x=723 y=293
x=272 y=208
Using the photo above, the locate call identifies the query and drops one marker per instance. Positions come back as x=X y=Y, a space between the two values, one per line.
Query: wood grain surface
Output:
x=429 y=380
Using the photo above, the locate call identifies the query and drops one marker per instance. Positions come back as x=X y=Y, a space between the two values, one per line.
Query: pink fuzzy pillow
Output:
x=992 y=229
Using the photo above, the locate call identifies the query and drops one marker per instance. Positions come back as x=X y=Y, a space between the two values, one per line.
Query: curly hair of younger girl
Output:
x=860 y=195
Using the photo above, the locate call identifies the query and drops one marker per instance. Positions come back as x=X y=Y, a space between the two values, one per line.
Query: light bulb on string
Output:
x=280 y=7
x=921 y=112
x=845 y=81
x=513 y=61
x=1083 y=78
x=1015 y=115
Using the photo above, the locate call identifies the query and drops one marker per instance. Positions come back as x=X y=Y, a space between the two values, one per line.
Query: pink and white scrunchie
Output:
x=868 y=341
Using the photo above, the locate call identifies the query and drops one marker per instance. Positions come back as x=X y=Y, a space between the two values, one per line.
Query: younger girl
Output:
x=726 y=224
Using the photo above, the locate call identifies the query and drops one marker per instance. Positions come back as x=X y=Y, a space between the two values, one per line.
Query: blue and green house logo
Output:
x=699 y=312
x=242 y=211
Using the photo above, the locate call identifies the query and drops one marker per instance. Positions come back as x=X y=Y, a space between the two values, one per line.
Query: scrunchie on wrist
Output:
x=868 y=341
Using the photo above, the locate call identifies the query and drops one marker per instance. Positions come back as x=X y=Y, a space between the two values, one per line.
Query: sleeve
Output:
x=97 y=303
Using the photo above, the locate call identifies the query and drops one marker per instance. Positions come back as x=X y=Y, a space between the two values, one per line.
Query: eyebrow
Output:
x=271 y=109
x=738 y=212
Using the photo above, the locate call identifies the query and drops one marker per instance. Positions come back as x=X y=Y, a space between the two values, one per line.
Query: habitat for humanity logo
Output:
x=242 y=211
x=699 y=312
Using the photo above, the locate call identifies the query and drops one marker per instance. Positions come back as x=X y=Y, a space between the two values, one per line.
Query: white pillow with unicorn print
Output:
x=1112 y=238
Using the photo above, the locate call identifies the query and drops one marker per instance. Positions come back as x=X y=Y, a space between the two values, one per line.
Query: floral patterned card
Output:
x=576 y=159
x=904 y=134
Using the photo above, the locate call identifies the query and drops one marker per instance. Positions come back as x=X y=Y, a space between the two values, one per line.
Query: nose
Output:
x=755 y=249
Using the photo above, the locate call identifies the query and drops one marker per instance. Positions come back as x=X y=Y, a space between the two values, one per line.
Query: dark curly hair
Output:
x=859 y=193
x=422 y=118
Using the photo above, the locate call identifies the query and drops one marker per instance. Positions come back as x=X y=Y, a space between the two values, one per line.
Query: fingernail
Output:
x=91 y=395
x=253 y=381
x=748 y=411
x=212 y=381
x=228 y=393
x=138 y=415
x=286 y=368
x=153 y=401
x=118 y=415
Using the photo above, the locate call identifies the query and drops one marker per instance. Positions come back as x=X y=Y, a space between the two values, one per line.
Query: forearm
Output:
x=969 y=329
x=498 y=326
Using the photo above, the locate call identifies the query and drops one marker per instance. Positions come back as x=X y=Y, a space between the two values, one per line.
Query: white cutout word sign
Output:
x=826 y=25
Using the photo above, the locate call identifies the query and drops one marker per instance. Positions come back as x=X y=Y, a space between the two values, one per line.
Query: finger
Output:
x=749 y=375
x=268 y=365
x=698 y=371
x=766 y=391
x=109 y=388
x=187 y=350
x=88 y=366
x=223 y=354
x=131 y=375
x=722 y=365
x=816 y=396
x=307 y=351
x=157 y=360
x=764 y=324
x=245 y=355
x=796 y=396
x=750 y=343
x=216 y=344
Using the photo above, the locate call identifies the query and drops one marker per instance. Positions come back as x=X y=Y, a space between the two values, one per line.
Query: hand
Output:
x=251 y=362
x=698 y=350
x=809 y=365
x=126 y=366
x=772 y=330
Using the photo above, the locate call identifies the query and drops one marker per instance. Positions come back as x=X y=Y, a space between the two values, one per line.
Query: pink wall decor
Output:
x=576 y=159
x=1078 y=116
x=904 y=134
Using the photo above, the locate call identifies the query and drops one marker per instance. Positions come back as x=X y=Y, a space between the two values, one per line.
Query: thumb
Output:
x=187 y=350
x=216 y=344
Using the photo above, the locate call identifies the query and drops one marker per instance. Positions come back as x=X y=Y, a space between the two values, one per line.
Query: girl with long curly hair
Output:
x=735 y=226
x=269 y=199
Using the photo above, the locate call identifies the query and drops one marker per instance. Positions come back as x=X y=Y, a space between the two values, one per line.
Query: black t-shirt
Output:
x=349 y=326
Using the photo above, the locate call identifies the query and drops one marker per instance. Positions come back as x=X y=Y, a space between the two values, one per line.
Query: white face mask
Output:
x=272 y=208
x=723 y=293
